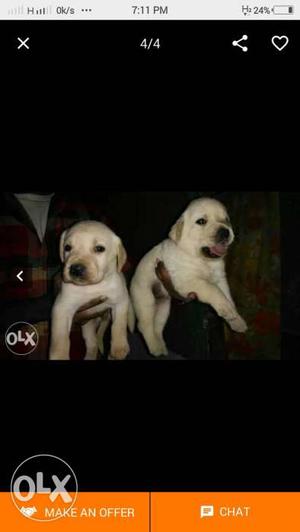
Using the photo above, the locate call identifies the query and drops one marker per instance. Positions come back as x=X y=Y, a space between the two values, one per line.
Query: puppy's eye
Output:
x=99 y=249
x=201 y=221
x=68 y=248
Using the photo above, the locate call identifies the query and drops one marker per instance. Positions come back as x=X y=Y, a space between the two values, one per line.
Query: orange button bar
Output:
x=163 y=512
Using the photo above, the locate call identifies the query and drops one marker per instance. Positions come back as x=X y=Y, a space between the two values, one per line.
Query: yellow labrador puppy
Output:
x=93 y=258
x=193 y=262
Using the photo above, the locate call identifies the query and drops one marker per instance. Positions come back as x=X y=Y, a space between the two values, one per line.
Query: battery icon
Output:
x=283 y=10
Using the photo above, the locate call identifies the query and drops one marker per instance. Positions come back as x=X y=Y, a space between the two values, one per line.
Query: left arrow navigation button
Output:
x=19 y=276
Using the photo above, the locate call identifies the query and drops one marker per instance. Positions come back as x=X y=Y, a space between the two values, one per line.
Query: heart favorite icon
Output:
x=280 y=42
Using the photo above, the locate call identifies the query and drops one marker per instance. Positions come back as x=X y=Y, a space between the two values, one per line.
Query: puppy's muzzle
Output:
x=77 y=271
x=223 y=235
x=223 y=239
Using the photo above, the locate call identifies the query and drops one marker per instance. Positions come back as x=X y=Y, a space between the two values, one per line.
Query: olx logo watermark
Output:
x=21 y=338
x=44 y=487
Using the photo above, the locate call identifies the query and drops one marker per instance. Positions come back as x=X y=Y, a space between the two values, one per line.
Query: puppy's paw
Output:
x=92 y=354
x=59 y=356
x=226 y=310
x=158 y=349
x=119 y=352
x=238 y=325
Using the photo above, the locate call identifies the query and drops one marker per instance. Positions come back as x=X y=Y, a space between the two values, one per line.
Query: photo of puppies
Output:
x=141 y=275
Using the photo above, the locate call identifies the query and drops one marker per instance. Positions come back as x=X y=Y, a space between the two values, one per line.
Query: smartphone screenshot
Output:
x=168 y=134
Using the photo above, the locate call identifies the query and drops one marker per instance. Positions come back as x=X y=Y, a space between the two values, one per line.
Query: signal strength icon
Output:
x=17 y=11
x=41 y=11
x=21 y=10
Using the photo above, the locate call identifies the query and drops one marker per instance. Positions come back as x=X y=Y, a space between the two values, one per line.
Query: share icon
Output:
x=237 y=43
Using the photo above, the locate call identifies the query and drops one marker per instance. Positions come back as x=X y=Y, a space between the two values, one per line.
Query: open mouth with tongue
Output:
x=216 y=252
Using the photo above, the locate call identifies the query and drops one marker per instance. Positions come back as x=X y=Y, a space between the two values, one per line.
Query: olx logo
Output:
x=41 y=484
x=21 y=338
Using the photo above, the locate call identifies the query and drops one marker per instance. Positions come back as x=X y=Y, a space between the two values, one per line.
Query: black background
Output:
x=156 y=426
x=195 y=113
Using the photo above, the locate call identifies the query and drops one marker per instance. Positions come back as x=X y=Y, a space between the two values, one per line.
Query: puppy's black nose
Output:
x=77 y=270
x=223 y=234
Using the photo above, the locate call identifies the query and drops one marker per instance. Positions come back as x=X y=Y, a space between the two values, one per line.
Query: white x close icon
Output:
x=23 y=43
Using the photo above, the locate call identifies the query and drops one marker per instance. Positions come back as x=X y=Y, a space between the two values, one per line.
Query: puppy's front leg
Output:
x=224 y=287
x=60 y=333
x=90 y=336
x=222 y=283
x=212 y=295
x=119 y=340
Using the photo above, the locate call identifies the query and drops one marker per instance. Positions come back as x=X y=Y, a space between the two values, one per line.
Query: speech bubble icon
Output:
x=206 y=511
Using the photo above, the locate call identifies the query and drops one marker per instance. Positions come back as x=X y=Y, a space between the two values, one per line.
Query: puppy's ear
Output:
x=62 y=246
x=121 y=255
x=177 y=229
